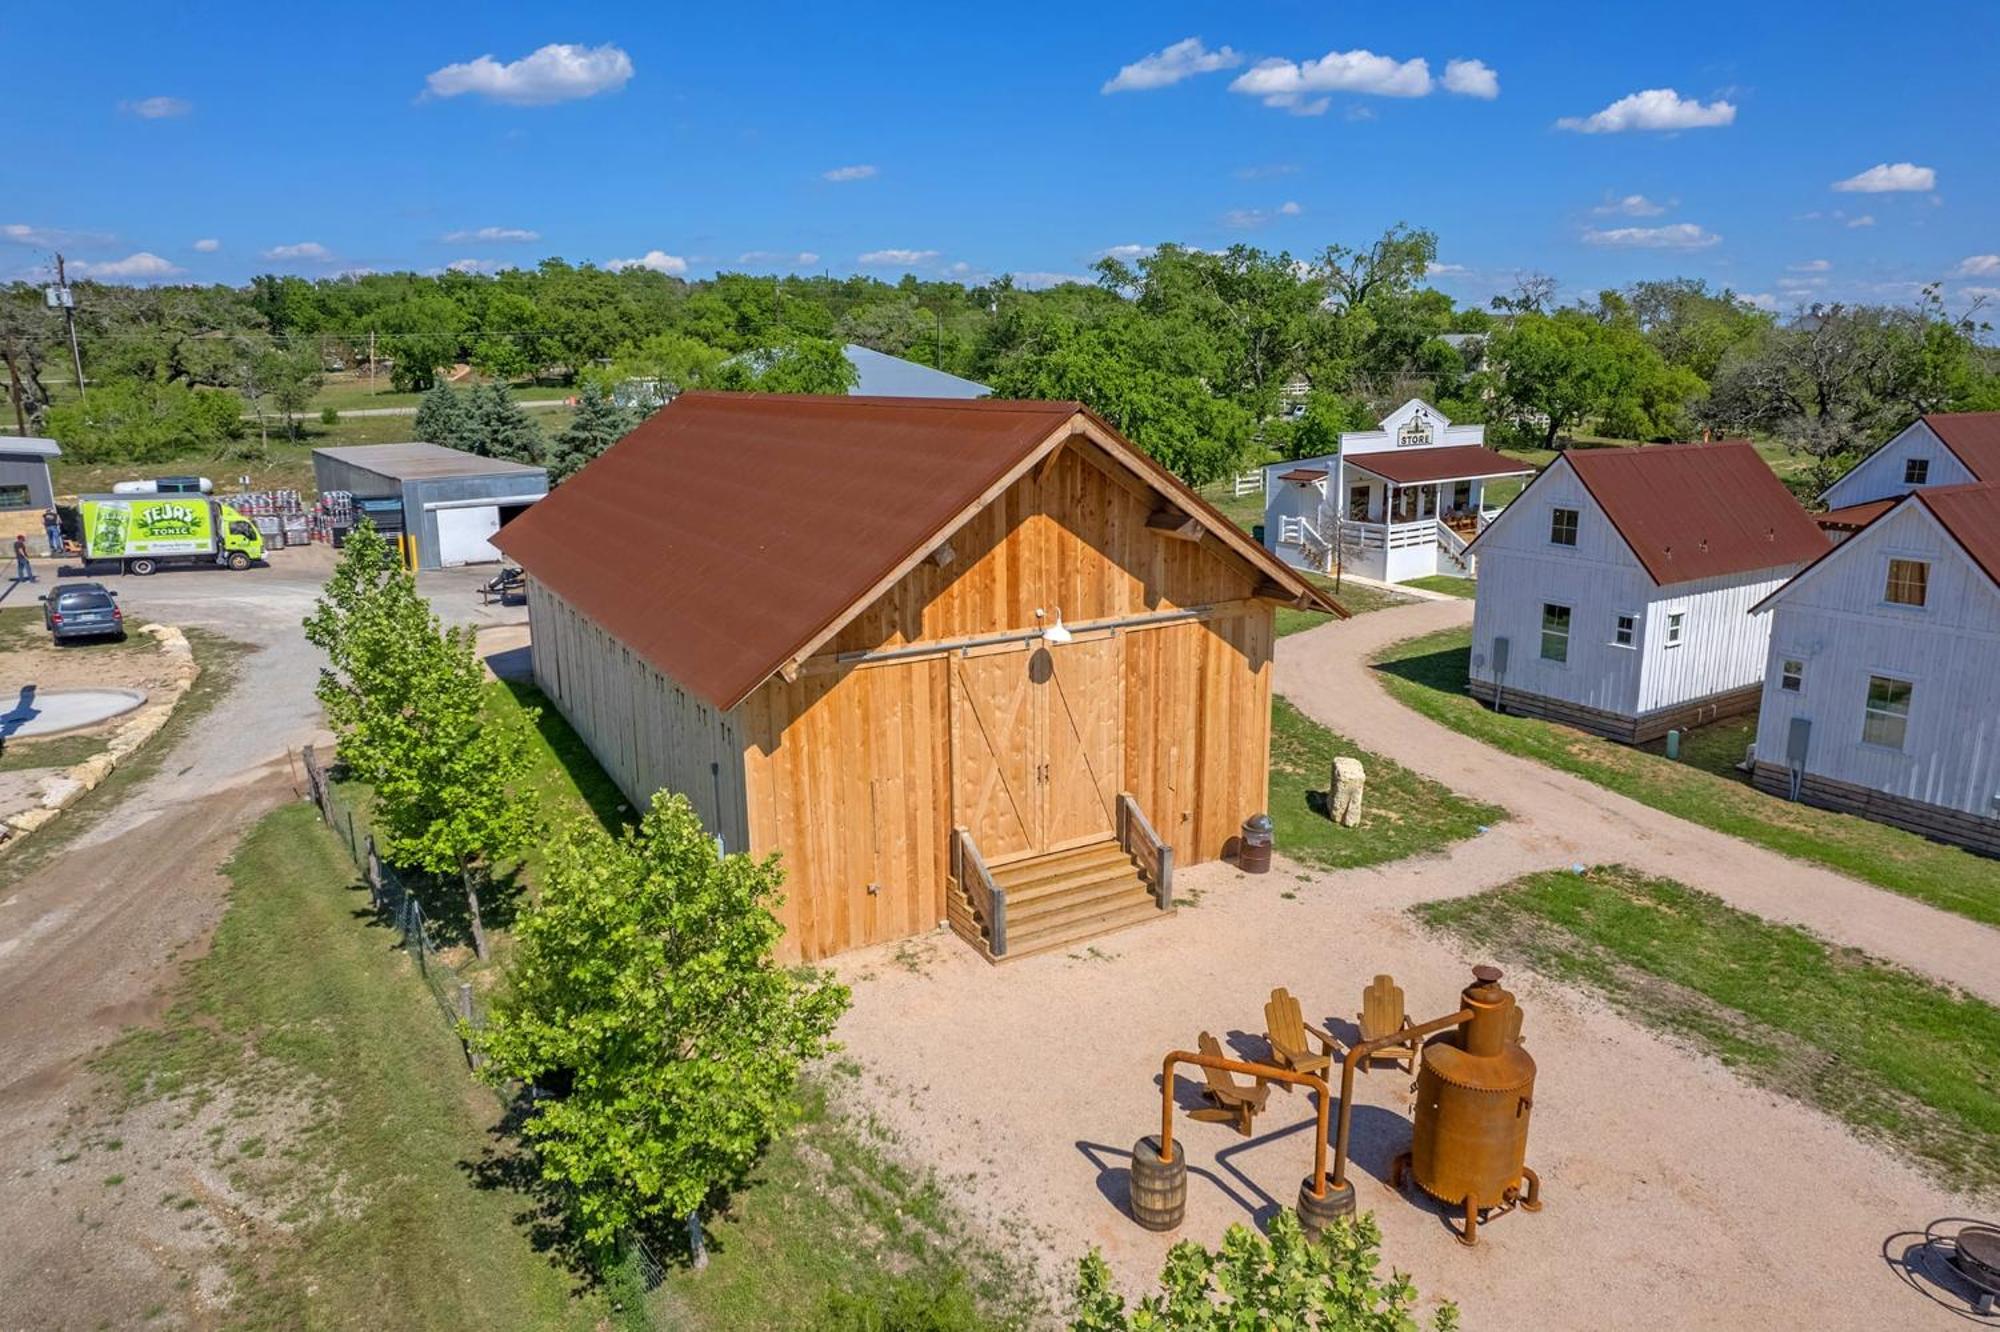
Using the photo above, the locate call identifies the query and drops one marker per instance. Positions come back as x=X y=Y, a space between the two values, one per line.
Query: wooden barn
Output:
x=976 y=661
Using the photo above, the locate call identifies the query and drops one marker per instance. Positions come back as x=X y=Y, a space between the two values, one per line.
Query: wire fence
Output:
x=398 y=905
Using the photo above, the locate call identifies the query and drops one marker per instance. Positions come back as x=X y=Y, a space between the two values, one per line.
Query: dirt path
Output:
x=1559 y=819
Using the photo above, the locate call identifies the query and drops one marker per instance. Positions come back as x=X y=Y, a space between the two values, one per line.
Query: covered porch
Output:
x=1412 y=515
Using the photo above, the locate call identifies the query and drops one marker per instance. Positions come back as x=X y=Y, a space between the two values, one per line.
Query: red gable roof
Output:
x=730 y=530
x=1698 y=510
x=1971 y=513
x=1973 y=436
x=1453 y=462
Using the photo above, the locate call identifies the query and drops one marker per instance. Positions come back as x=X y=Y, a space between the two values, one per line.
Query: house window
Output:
x=15 y=497
x=1461 y=496
x=1676 y=625
x=1887 y=717
x=1625 y=629
x=1791 y=675
x=1357 y=504
x=1908 y=582
x=1916 y=471
x=1555 y=633
x=1562 y=527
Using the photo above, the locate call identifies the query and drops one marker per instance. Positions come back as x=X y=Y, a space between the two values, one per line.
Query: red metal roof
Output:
x=1304 y=474
x=1698 y=510
x=1974 y=437
x=1971 y=513
x=730 y=530
x=1456 y=462
x=1854 y=517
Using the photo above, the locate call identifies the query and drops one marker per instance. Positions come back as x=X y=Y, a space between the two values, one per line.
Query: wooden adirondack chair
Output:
x=1382 y=1015
x=1229 y=1100
x=1286 y=1028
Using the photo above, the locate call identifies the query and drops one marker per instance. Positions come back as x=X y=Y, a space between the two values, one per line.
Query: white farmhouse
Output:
x=1615 y=593
x=1941 y=449
x=1398 y=502
x=1882 y=697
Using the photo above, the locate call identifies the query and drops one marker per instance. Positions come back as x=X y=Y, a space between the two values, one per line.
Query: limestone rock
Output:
x=1344 y=797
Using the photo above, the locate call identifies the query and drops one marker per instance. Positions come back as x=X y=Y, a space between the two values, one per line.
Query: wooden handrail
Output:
x=1263 y=1072
x=988 y=898
x=1138 y=840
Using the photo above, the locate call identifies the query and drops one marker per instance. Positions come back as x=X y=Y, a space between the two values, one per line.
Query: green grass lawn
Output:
x=1428 y=674
x=1447 y=584
x=1403 y=814
x=1902 y=1060
x=300 y=1013
x=1359 y=598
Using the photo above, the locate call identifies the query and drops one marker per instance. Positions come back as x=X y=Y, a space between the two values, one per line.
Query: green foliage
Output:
x=144 y=421
x=1548 y=373
x=1317 y=432
x=329 y=416
x=1284 y=1281
x=496 y=426
x=406 y=700
x=598 y=424
x=421 y=333
x=903 y=1304
x=645 y=978
x=803 y=365
x=442 y=418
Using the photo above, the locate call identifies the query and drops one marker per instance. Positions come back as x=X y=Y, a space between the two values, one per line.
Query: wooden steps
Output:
x=1058 y=900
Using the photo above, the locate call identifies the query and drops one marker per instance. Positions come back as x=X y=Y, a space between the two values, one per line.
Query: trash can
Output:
x=1253 y=855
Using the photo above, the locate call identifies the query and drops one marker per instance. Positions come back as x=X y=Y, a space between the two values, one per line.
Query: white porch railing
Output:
x=1454 y=548
x=1294 y=530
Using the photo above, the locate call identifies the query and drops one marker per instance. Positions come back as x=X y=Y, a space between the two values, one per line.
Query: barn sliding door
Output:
x=1037 y=744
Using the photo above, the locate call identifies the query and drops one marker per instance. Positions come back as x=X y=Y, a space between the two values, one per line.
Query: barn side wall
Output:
x=646 y=731
x=848 y=768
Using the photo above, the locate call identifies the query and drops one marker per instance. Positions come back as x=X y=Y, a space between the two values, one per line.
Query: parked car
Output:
x=82 y=610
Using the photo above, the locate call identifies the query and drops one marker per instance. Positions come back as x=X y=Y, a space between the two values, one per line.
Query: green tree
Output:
x=804 y=365
x=143 y=421
x=598 y=424
x=496 y=426
x=644 y=979
x=444 y=418
x=405 y=698
x=291 y=376
x=1286 y=1281
x=1549 y=373
x=419 y=334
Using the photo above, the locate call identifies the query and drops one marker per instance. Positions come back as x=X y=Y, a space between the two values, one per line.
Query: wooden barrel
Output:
x=1316 y=1214
x=1159 y=1188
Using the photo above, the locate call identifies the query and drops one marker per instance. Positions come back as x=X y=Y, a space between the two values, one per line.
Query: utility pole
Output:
x=68 y=303
x=371 y=362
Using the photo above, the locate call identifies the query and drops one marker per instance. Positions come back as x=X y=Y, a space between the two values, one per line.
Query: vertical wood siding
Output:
x=1880 y=475
x=647 y=732
x=1836 y=621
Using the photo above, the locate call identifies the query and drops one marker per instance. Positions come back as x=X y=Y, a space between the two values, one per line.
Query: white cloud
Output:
x=1980 y=265
x=1125 y=253
x=1267 y=170
x=1471 y=78
x=1981 y=293
x=49 y=237
x=802 y=259
x=1889 y=178
x=1295 y=85
x=1812 y=266
x=1446 y=270
x=1245 y=218
x=472 y=266
x=893 y=256
x=207 y=245
x=493 y=235
x=1632 y=205
x=838 y=175
x=657 y=260
x=1801 y=283
x=558 y=72
x=1758 y=300
x=1653 y=109
x=158 y=108
x=1675 y=236
x=1168 y=66
x=303 y=250
x=1865 y=220
x=144 y=264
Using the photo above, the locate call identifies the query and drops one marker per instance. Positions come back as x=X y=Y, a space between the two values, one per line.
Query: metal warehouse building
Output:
x=451 y=501
x=24 y=473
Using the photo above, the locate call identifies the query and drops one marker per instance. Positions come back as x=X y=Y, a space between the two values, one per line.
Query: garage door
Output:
x=465 y=536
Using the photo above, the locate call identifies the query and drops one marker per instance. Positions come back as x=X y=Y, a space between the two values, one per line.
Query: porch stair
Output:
x=1056 y=901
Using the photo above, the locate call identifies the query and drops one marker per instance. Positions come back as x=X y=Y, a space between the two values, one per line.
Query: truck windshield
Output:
x=244 y=530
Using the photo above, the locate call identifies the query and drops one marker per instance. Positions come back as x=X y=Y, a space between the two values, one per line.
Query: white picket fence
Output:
x=1248 y=483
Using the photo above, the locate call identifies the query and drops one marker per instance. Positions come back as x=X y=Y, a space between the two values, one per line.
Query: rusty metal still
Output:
x=1475 y=1091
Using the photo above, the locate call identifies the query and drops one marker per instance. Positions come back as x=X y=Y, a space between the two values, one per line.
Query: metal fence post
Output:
x=469 y=1015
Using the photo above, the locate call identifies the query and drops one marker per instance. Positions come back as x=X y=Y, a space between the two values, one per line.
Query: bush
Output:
x=140 y=421
x=329 y=416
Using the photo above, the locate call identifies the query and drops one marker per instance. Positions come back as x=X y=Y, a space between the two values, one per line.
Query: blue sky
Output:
x=1599 y=143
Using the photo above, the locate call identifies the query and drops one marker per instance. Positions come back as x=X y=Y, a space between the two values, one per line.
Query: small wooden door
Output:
x=1037 y=747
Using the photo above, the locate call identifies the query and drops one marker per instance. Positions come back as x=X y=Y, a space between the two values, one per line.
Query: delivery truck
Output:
x=147 y=532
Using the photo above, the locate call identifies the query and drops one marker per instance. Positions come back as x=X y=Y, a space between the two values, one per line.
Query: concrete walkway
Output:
x=1558 y=820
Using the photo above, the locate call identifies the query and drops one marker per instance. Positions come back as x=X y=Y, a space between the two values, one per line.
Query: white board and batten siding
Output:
x=1837 y=621
x=1720 y=647
x=1881 y=475
x=647 y=732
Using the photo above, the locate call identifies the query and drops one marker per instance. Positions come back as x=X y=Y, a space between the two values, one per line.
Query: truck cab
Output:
x=242 y=544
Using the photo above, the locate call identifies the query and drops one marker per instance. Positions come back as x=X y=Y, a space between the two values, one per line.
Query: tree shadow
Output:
x=508 y=1164
x=1445 y=670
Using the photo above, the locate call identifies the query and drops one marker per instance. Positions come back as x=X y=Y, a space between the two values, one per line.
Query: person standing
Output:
x=52 y=527
x=24 y=572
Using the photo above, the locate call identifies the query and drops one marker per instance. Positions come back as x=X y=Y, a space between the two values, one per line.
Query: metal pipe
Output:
x=1360 y=1051
x=1263 y=1073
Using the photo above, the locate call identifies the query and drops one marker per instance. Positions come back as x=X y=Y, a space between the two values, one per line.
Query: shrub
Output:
x=140 y=421
x=329 y=416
